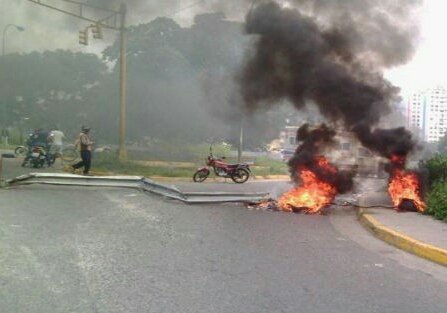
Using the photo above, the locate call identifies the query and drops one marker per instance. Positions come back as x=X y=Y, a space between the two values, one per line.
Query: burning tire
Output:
x=200 y=176
x=240 y=176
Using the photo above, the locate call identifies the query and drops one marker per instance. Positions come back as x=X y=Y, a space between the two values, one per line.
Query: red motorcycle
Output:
x=239 y=173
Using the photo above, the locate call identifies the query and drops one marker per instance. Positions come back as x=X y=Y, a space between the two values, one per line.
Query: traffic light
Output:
x=96 y=31
x=83 y=37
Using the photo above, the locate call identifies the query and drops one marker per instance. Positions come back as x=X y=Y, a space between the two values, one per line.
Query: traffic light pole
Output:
x=122 y=151
x=110 y=22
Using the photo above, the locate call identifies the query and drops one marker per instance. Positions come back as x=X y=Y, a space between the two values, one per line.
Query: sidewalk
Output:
x=413 y=232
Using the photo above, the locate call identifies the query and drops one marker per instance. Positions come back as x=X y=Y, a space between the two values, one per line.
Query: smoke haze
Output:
x=333 y=54
x=313 y=141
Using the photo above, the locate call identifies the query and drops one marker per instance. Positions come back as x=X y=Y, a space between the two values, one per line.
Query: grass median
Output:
x=108 y=164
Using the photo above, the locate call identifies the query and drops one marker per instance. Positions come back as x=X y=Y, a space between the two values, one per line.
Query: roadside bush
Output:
x=436 y=168
x=437 y=201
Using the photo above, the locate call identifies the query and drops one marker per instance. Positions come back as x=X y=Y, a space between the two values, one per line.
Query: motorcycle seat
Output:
x=237 y=165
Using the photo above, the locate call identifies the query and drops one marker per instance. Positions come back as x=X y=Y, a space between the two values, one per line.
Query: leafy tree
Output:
x=47 y=87
x=181 y=86
x=442 y=144
x=182 y=82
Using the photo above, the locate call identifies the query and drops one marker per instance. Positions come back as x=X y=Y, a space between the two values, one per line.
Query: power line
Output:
x=189 y=6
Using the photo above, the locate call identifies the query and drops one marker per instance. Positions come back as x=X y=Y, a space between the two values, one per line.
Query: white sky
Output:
x=428 y=68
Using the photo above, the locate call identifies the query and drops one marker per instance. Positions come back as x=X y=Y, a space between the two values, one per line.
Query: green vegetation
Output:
x=437 y=194
x=437 y=168
x=180 y=85
x=109 y=163
x=437 y=201
x=7 y=147
x=266 y=166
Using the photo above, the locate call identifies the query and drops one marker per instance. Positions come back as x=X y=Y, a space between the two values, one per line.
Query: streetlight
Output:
x=17 y=27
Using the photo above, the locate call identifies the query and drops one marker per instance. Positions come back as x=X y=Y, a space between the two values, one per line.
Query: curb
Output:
x=402 y=241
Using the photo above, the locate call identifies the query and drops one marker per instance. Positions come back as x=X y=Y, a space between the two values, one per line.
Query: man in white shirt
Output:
x=56 y=141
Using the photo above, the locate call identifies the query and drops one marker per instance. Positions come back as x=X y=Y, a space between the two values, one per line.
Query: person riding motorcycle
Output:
x=38 y=138
x=31 y=142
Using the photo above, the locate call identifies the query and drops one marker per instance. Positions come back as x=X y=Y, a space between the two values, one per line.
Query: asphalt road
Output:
x=12 y=168
x=88 y=250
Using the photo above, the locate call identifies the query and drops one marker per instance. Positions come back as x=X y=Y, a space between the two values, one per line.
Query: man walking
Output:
x=85 y=142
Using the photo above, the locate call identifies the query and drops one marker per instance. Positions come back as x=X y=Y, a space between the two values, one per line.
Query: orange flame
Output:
x=405 y=185
x=313 y=194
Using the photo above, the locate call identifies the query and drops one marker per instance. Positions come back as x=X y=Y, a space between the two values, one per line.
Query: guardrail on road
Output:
x=137 y=182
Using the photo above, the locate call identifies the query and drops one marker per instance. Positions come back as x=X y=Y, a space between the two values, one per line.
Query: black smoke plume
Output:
x=332 y=54
x=313 y=140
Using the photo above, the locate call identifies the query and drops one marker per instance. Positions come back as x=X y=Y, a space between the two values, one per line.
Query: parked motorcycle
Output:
x=239 y=173
x=37 y=157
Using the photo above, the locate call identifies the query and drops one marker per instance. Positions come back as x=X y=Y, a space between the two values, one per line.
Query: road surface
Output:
x=111 y=250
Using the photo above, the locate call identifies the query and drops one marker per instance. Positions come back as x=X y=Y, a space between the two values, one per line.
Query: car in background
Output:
x=286 y=154
x=105 y=149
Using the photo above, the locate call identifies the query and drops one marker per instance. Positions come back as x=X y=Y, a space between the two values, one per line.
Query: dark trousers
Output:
x=86 y=162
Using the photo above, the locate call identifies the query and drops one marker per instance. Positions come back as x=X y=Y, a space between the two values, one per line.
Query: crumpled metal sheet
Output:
x=137 y=182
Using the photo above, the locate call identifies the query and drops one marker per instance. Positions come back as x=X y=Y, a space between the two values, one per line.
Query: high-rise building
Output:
x=427 y=112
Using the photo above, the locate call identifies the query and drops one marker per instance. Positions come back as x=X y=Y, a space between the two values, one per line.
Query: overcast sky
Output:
x=46 y=29
x=429 y=65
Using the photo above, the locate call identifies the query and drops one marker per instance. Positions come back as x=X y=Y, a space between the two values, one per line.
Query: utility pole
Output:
x=122 y=152
x=241 y=142
x=112 y=19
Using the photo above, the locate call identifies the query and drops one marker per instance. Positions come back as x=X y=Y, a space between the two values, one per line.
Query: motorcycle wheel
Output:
x=240 y=176
x=51 y=160
x=20 y=151
x=200 y=176
x=34 y=163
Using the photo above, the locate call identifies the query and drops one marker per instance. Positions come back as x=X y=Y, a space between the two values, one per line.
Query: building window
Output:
x=346 y=146
x=364 y=152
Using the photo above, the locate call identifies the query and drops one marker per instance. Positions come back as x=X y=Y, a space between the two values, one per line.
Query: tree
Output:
x=182 y=81
x=47 y=87
x=442 y=144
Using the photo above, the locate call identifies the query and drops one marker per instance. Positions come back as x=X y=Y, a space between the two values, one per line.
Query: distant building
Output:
x=287 y=138
x=427 y=111
x=346 y=152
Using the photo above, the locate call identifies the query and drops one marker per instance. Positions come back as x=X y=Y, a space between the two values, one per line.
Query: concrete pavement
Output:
x=12 y=168
x=413 y=232
x=112 y=250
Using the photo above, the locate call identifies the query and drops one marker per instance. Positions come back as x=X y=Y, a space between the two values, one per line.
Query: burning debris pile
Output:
x=317 y=181
x=314 y=193
x=404 y=187
x=332 y=54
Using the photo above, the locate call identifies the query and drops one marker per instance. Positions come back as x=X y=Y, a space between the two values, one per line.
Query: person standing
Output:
x=30 y=143
x=54 y=145
x=5 y=136
x=85 y=143
x=56 y=138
